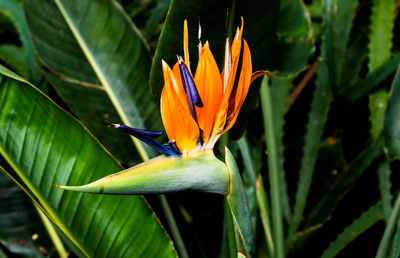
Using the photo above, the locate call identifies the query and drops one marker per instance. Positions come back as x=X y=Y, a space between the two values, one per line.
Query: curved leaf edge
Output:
x=237 y=203
x=33 y=192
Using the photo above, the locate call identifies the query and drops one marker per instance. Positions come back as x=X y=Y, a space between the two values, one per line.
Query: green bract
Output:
x=203 y=172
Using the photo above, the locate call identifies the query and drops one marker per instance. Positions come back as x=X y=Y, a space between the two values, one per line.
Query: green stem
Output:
x=58 y=244
x=173 y=226
x=264 y=214
x=261 y=195
x=387 y=235
x=273 y=169
x=247 y=160
x=180 y=245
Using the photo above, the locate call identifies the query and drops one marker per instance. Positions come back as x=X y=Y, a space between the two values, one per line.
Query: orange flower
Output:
x=197 y=111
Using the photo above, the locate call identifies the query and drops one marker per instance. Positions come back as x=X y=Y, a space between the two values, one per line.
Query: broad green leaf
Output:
x=289 y=57
x=13 y=10
x=15 y=58
x=391 y=128
x=294 y=45
x=45 y=146
x=381 y=34
x=237 y=203
x=21 y=231
x=357 y=227
x=293 y=25
x=93 y=106
x=93 y=44
x=156 y=16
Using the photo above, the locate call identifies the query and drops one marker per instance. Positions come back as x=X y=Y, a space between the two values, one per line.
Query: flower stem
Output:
x=273 y=169
x=264 y=214
x=180 y=245
x=261 y=195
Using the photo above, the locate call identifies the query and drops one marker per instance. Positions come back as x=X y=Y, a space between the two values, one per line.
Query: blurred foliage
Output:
x=331 y=131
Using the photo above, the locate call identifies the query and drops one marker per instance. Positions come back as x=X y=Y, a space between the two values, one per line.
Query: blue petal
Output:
x=158 y=146
x=133 y=131
x=172 y=145
x=190 y=88
x=146 y=137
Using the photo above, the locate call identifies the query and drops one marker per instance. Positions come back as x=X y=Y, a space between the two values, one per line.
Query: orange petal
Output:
x=227 y=63
x=186 y=44
x=238 y=97
x=223 y=109
x=178 y=122
x=176 y=81
x=209 y=86
x=237 y=41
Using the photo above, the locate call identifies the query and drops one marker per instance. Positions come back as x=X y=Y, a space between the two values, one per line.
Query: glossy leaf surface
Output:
x=99 y=63
x=19 y=221
x=24 y=61
x=47 y=146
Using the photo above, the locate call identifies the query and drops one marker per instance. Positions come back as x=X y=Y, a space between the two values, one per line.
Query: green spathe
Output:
x=202 y=172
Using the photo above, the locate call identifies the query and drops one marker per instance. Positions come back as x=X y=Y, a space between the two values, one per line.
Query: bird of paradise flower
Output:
x=197 y=110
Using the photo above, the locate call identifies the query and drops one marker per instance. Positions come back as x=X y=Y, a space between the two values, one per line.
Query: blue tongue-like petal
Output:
x=190 y=88
x=172 y=145
x=135 y=131
x=147 y=136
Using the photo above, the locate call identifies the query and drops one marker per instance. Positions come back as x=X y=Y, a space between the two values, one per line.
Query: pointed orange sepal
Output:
x=209 y=86
x=239 y=95
x=221 y=117
x=175 y=113
x=186 y=44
